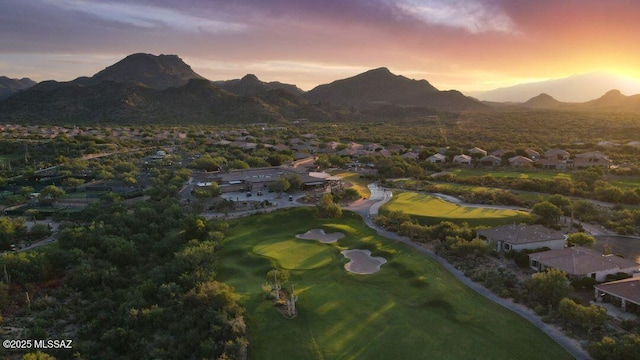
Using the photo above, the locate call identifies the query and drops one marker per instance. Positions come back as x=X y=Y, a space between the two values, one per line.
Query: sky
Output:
x=467 y=45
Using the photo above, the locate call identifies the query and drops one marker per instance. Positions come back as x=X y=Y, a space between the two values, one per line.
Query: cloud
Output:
x=146 y=16
x=473 y=16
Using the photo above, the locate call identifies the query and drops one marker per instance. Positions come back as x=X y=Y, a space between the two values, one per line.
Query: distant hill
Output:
x=10 y=86
x=576 y=88
x=380 y=87
x=614 y=100
x=251 y=85
x=543 y=101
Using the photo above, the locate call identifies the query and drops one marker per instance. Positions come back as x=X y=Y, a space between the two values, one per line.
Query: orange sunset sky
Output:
x=458 y=44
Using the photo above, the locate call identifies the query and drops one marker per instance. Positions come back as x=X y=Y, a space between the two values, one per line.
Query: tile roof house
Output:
x=532 y=154
x=462 y=159
x=500 y=153
x=522 y=236
x=591 y=158
x=556 y=154
x=477 y=151
x=491 y=160
x=579 y=262
x=624 y=293
x=437 y=158
x=551 y=164
x=520 y=161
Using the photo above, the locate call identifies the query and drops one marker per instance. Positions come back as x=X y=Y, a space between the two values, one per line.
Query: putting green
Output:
x=297 y=254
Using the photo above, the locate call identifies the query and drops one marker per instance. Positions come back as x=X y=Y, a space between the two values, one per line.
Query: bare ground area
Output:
x=320 y=235
x=362 y=262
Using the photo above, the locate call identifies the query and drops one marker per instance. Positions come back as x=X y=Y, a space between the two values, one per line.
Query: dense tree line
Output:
x=133 y=282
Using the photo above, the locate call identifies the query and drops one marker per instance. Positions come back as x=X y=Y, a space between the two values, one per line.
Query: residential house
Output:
x=354 y=145
x=522 y=236
x=551 y=164
x=591 y=158
x=437 y=158
x=501 y=153
x=622 y=293
x=490 y=160
x=462 y=159
x=410 y=155
x=520 y=161
x=578 y=262
x=558 y=154
x=532 y=154
x=477 y=151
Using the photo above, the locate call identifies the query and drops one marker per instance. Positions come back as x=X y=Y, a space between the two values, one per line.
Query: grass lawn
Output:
x=521 y=174
x=626 y=182
x=411 y=309
x=430 y=210
x=8 y=157
x=358 y=183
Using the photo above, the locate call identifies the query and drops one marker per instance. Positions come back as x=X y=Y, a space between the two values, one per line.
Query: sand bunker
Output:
x=362 y=262
x=318 y=234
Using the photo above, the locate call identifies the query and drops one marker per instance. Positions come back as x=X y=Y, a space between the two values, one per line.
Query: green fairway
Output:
x=430 y=210
x=411 y=309
x=516 y=174
x=356 y=182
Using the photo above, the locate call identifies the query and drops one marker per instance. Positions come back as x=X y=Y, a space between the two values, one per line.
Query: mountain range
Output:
x=9 y=86
x=163 y=89
x=144 y=88
x=576 y=88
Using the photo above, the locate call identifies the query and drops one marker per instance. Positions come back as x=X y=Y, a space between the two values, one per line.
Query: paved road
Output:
x=572 y=346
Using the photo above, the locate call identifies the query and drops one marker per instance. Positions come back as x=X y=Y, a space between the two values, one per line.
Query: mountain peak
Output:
x=10 y=86
x=380 y=87
x=250 y=77
x=543 y=100
x=380 y=70
x=158 y=72
x=614 y=92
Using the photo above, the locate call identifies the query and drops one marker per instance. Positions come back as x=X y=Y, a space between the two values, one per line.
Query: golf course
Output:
x=411 y=308
x=430 y=210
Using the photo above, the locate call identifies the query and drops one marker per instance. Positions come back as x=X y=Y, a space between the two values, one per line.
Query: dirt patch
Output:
x=319 y=235
x=362 y=262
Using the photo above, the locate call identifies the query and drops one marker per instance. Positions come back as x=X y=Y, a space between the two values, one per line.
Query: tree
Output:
x=549 y=287
x=281 y=185
x=547 y=213
x=327 y=208
x=586 y=317
x=38 y=355
x=350 y=194
x=561 y=202
x=210 y=191
x=51 y=194
x=237 y=164
x=580 y=239
x=72 y=182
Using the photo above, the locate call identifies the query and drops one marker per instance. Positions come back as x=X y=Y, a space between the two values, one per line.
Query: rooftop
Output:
x=521 y=234
x=578 y=260
x=628 y=289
